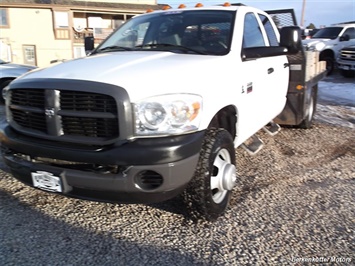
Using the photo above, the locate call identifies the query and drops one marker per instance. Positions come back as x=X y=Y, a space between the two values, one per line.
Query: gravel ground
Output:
x=293 y=205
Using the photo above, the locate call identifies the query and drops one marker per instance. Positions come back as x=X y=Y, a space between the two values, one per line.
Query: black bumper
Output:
x=173 y=159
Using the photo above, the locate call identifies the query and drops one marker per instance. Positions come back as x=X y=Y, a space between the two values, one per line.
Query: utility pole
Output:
x=303 y=11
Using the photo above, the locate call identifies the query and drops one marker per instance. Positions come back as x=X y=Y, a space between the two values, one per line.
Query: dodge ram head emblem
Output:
x=49 y=112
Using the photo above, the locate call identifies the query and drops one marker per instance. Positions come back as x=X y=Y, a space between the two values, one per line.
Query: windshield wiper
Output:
x=174 y=46
x=114 y=48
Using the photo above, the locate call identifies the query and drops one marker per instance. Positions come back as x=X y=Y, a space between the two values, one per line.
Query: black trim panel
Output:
x=136 y=152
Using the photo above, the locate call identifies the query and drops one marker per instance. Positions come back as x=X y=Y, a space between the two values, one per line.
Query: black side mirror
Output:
x=344 y=38
x=290 y=37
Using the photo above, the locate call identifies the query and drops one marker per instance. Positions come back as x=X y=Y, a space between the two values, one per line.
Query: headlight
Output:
x=320 y=46
x=168 y=114
x=4 y=92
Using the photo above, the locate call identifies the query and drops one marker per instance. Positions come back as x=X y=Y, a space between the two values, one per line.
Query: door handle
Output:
x=270 y=70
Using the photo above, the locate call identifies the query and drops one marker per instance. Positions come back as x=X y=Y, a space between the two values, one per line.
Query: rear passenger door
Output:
x=278 y=70
x=268 y=74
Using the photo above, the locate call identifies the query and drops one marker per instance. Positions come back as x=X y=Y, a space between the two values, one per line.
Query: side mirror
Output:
x=344 y=38
x=290 y=37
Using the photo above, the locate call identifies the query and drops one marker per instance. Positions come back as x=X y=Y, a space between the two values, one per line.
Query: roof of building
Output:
x=78 y=4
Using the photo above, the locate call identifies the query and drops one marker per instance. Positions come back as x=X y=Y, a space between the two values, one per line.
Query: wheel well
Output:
x=226 y=118
x=3 y=80
x=326 y=53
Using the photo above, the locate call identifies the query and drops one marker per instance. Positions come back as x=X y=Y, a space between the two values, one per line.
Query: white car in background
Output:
x=329 y=41
x=9 y=72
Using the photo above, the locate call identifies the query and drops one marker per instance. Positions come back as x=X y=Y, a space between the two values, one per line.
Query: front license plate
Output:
x=46 y=181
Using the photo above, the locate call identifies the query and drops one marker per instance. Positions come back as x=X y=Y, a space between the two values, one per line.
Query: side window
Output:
x=4 y=18
x=252 y=35
x=269 y=30
x=350 y=32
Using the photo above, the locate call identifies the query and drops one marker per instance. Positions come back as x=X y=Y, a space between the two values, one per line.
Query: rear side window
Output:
x=269 y=30
x=252 y=36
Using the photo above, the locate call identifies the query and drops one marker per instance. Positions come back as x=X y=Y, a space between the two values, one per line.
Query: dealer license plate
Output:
x=46 y=181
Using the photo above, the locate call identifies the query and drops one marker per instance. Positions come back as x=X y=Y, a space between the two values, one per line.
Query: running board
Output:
x=253 y=145
x=272 y=128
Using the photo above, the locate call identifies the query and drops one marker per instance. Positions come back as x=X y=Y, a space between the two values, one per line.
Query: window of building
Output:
x=61 y=25
x=61 y=19
x=117 y=21
x=29 y=53
x=4 y=18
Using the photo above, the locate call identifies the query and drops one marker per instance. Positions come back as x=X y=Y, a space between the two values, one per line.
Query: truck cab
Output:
x=157 y=109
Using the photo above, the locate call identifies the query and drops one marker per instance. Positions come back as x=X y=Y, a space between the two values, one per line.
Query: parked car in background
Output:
x=308 y=33
x=346 y=61
x=329 y=41
x=9 y=72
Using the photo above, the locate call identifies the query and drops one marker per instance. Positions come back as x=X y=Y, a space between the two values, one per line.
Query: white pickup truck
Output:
x=329 y=41
x=158 y=108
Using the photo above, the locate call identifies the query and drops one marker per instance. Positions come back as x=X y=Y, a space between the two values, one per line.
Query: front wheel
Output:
x=209 y=191
x=329 y=64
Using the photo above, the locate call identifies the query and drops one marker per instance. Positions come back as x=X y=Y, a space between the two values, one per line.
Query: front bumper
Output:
x=346 y=65
x=117 y=173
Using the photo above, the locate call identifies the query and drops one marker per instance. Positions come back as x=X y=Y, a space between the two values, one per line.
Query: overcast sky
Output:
x=318 y=12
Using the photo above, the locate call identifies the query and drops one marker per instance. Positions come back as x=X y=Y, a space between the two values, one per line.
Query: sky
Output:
x=319 y=12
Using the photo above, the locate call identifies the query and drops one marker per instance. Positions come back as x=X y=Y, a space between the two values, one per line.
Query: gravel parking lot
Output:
x=293 y=205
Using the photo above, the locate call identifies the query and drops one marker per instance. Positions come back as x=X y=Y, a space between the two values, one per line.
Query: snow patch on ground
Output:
x=336 y=115
x=336 y=101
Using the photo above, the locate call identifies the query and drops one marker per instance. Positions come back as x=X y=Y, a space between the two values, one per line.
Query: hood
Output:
x=22 y=66
x=10 y=70
x=313 y=42
x=349 y=48
x=165 y=72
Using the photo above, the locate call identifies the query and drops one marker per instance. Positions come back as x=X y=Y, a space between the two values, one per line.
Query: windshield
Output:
x=328 y=33
x=201 y=32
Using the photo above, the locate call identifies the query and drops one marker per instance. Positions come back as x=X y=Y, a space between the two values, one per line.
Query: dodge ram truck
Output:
x=158 y=109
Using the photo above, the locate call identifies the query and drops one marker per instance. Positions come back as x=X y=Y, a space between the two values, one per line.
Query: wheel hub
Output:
x=229 y=177
x=225 y=176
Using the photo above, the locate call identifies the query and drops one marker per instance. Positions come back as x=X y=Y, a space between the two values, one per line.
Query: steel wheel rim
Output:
x=222 y=166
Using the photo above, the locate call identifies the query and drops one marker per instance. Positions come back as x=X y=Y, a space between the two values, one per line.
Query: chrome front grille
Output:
x=348 y=54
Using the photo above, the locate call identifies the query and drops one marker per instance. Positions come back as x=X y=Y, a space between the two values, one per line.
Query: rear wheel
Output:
x=311 y=109
x=209 y=192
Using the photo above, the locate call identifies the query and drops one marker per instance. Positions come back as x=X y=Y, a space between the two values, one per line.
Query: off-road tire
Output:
x=198 y=196
x=330 y=64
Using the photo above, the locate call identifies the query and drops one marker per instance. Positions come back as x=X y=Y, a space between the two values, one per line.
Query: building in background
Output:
x=38 y=32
